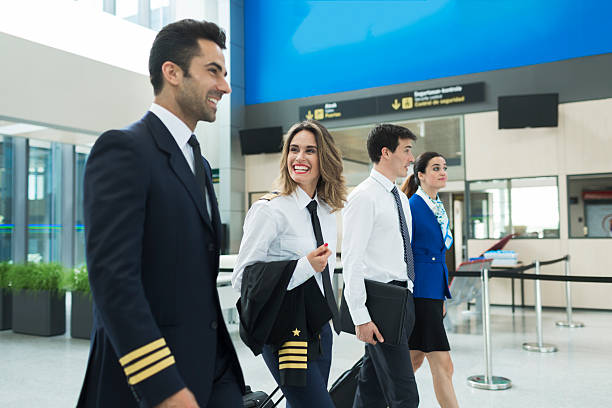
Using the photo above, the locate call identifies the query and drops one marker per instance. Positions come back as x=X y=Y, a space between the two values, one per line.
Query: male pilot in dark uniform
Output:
x=153 y=236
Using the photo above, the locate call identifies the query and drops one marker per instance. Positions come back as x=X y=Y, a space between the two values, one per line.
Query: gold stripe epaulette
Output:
x=146 y=361
x=270 y=196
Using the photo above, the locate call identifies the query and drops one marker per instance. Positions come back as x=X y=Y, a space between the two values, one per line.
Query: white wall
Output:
x=581 y=144
x=45 y=85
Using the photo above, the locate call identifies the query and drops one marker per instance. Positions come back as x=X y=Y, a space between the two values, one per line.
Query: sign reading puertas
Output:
x=401 y=102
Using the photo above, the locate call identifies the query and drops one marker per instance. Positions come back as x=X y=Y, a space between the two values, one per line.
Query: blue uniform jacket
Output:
x=153 y=259
x=428 y=251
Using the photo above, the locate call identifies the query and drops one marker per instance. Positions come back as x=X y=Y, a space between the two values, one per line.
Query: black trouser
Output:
x=226 y=392
x=386 y=378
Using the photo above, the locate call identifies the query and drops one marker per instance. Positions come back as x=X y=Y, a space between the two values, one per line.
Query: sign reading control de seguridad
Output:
x=401 y=102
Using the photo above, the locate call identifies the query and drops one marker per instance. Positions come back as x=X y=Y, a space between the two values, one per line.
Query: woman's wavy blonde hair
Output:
x=330 y=186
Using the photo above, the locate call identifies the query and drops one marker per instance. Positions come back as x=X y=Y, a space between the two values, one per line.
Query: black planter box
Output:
x=81 y=316
x=39 y=312
x=6 y=309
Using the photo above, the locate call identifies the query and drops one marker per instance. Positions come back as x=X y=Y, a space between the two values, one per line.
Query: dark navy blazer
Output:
x=153 y=258
x=428 y=251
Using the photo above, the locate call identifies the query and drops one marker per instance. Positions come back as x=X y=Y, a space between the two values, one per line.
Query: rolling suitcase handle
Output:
x=267 y=403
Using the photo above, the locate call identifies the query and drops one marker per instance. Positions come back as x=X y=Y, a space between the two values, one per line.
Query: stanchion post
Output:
x=568 y=299
x=539 y=345
x=487 y=381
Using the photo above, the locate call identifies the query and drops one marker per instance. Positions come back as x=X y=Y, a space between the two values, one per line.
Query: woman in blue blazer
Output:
x=431 y=237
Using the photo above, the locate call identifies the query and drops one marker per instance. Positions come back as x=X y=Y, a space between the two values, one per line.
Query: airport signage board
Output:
x=395 y=103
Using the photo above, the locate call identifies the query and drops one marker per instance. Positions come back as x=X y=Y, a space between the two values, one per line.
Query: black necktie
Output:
x=200 y=172
x=405 y=237
x=327 y=286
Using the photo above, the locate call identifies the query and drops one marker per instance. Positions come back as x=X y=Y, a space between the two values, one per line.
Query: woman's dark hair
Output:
x=178 y=42
x=386 y=135
x=412 y=183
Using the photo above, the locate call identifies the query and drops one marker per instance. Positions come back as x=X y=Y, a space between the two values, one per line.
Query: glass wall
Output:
x=6 y=197
x=160 y=14
x=79 y=227
x=527 y=207
x=153 y=14
x=44 y=201
x=443 y=135
x=590 y=205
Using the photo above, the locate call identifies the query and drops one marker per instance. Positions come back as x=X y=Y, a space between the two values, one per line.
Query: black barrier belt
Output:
x=509 y=273
x=517 y=273
x=565 y=258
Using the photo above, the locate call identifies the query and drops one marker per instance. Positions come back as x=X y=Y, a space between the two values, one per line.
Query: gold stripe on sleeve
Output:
x=154 y=369
x=292 y=358
x=141 y=351
x=293 y=351
x=142 y=363
x=295 y=344
x=292 y=365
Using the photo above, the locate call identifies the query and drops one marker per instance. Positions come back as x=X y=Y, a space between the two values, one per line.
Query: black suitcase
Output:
x=343 y=390
x=259 y=399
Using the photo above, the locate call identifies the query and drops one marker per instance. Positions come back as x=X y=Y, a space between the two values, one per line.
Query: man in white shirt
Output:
x=153 y=235
x=376 y=246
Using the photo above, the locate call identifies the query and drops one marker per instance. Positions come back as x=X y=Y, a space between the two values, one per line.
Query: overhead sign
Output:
x=401 y=102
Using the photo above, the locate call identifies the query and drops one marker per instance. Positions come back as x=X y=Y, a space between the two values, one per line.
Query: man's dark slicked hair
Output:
x=386 y=135
x=178 y=42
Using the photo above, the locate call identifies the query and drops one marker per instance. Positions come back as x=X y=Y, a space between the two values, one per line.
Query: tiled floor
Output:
x=47 y=372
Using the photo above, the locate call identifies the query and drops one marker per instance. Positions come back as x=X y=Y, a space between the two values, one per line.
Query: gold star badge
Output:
x=296 y=332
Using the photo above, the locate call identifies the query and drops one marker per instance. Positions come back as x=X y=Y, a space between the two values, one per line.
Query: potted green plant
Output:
x=6 y=297
x=39 y=298
x=81 y=313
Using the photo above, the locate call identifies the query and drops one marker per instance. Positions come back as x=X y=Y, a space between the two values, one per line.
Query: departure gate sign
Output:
x=396 y=103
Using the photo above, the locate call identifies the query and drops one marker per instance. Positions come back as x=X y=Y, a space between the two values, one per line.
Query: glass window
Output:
x=6 y=197
x=442 y=135
x=590 y=205
x=79 y=227
x=160 y=14
x=489 y=216
x=44 y=201
x=535 y=207
x=527 y=207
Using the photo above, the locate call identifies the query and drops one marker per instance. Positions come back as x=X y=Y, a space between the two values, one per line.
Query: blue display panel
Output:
x=296 y=48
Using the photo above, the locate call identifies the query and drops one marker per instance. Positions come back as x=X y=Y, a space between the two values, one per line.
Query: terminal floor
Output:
x=47 y=372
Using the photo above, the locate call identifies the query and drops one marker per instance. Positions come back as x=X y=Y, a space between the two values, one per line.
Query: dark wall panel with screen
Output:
x=522 y=111
x=263 y=140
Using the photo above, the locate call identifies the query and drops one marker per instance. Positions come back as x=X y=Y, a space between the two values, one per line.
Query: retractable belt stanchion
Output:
x=568 y=296
x=539 y=346
x=487 y=381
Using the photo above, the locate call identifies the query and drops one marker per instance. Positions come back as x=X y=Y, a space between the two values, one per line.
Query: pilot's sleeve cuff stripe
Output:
x=143 y=375
x=295 y=344
x=293 y=365
x=292 y=358
x=141 y=351
x=292 y=351
x=142 y=363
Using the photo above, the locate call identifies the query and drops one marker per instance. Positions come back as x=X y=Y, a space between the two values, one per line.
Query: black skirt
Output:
x=428 y=333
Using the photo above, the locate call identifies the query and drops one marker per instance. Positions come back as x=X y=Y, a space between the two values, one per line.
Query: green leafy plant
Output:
x=5 y=282
x=79 y=280
x=38 y=276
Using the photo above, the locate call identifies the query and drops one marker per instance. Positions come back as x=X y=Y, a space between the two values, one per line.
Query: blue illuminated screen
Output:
x=296 y=48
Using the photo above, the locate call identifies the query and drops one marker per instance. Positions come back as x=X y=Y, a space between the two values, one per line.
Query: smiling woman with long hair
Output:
x=297 y=223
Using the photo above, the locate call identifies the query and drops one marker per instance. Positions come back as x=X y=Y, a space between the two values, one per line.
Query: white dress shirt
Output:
x=281 y=229
x=181 y=134
x=372 y=244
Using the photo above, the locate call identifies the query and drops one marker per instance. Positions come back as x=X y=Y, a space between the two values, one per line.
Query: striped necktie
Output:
x=405 y=236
